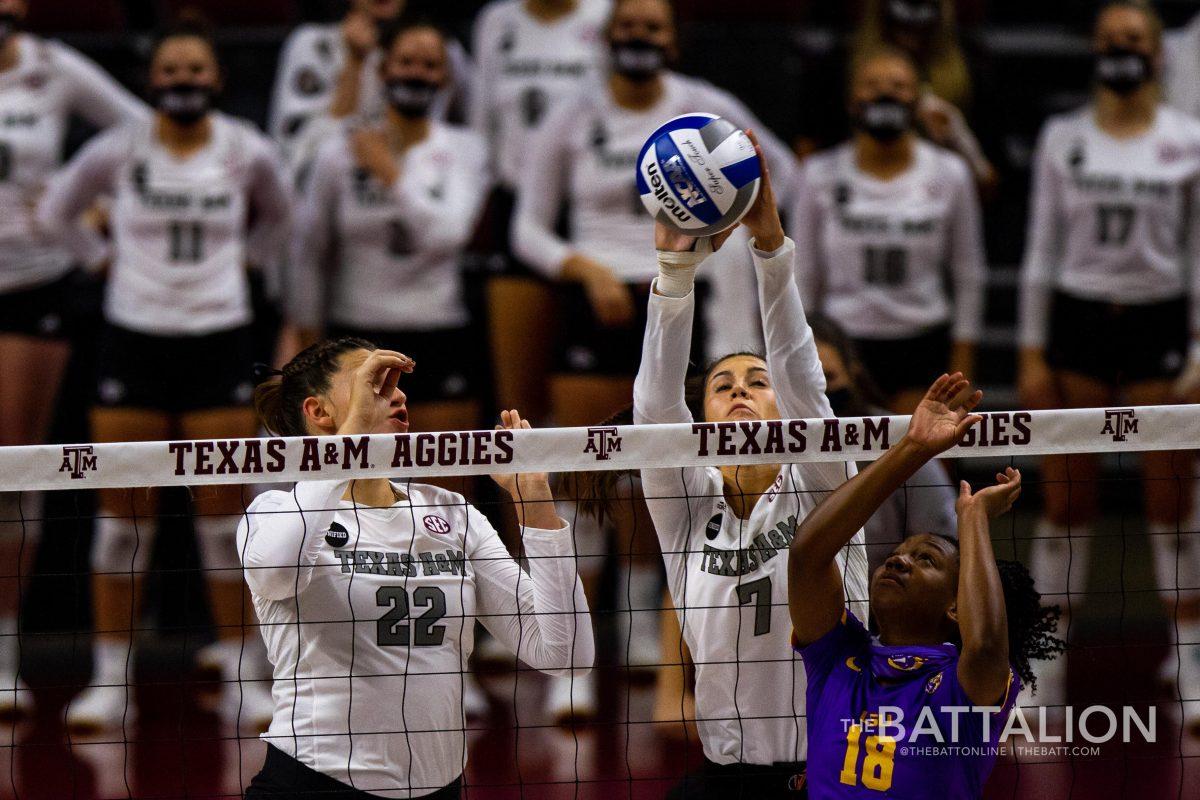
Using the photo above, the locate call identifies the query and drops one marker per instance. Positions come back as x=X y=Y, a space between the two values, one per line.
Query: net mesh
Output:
x=145 y=663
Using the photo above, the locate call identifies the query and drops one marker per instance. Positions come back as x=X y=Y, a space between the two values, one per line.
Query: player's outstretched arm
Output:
x=814 y=582
x=983 y=667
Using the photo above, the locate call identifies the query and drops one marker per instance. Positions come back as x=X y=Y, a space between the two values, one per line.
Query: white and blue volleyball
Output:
x=699 y=174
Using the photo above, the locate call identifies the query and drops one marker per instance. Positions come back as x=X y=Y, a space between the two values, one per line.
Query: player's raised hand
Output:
x=762 y=220
x=530 y=491
x=993 y=500
x=373 y=391
x=944 y=414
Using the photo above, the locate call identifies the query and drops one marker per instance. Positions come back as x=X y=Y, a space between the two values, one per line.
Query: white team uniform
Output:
x=180 y=242
x=728 y=577
x=1181 y=64
x=49 y=83
x=312 y=59
x=525 y=68
x=875 y=255
x=397 y=247
x=1110 y=218
x=370 y=633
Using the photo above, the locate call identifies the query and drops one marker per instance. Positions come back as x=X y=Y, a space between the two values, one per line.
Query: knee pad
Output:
x=121 y=545
x=216 y=539
x=1176 y=563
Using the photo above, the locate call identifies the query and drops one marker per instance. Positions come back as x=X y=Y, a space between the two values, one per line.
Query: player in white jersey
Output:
x=380 y=233
x=43 y=84
x=725 y=532
x=368 y=591
x=1109 y=310
x=531 y=56
x=880 y=222
x=196 y=197
x=326 y=68
x=583 y=157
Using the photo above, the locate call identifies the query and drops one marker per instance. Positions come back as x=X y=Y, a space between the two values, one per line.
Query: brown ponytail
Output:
x=280 y=395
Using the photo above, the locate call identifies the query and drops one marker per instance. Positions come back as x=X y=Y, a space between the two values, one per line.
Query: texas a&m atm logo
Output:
x=1119 y=423
x=603 y=442
x=77 y=460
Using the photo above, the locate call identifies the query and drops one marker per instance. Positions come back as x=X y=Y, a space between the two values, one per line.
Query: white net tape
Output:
x=422 y=455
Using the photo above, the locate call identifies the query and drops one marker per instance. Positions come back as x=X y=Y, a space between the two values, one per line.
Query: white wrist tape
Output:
x=677 y=270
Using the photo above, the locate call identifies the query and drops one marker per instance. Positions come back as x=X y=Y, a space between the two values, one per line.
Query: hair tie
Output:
x=264 y=372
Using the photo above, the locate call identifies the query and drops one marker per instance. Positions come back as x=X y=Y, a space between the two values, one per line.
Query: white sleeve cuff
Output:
x=764 y=256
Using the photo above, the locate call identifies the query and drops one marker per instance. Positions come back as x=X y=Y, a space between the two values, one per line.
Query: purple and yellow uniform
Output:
x=853 y=678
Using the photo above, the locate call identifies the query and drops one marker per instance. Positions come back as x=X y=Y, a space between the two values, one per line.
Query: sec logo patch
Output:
x=436 y=524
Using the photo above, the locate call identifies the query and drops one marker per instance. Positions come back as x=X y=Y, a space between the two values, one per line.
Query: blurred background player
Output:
x=43 y=85
x=197 y=195
x=328 y=69
x=724 y=532
x=1109 y=313
x=882 y=223
x=397 y=727
x=531 y=56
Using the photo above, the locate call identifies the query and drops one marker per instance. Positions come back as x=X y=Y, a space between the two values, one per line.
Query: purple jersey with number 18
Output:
x=856 y=685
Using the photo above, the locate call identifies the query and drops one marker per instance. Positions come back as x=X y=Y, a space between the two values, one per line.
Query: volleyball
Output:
x=698 y=173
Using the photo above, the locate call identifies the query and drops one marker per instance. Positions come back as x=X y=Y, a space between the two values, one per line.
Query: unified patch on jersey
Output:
x=337 y=535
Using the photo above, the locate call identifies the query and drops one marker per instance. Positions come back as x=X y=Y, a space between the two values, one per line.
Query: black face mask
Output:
x=411 y=97
x=1122 y=70
x=884 y=119
x=638 y=59
x=842 y=402
x=185 y=103
x=9 y=25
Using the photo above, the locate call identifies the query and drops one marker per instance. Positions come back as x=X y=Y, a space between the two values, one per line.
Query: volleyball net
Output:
x=142 y=670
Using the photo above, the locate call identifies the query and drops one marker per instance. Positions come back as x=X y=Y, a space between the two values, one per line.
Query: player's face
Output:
x=185 y=60
x=1125 y=29
x=645 y=21
x=917 y=586
x=885 y=76
x=739 y=388
x=418 y=55
x=380 y=10
x=336 y=402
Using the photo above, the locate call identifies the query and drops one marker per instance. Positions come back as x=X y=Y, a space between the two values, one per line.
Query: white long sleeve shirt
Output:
x=47 y=86
x=525 y=68
x=1112 y=220
x=183 y=230
x=584 y=156
x=369 y=615
x=728 y=576
x=395 y=249
x=312 y=60
x=875 y=255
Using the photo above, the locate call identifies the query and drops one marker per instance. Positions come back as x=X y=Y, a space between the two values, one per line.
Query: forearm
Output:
x=658 y=390
x=535 y=507
x=982 y=618
x=833 y=523
x=346 y=92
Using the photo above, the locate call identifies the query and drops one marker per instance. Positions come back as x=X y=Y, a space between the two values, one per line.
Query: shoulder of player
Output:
x=945 y=163
x=698 y=90
x=823 y=167
x=245 y=137
x=1180 y=122
x=271 y=500
x=496 y=13
x=1066 y=124
x=460 y=137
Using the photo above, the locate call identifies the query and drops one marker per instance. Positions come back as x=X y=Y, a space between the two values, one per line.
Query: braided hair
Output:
x=1031 y=625
x=280 y=394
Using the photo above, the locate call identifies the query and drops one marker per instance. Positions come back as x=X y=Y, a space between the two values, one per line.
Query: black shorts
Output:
x=785 y=781
x=1118 y=344
x=585 y=347
x=283 y=776
x=175 y=374
x=447 y=360
x=41 y=311
x=910 y=363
